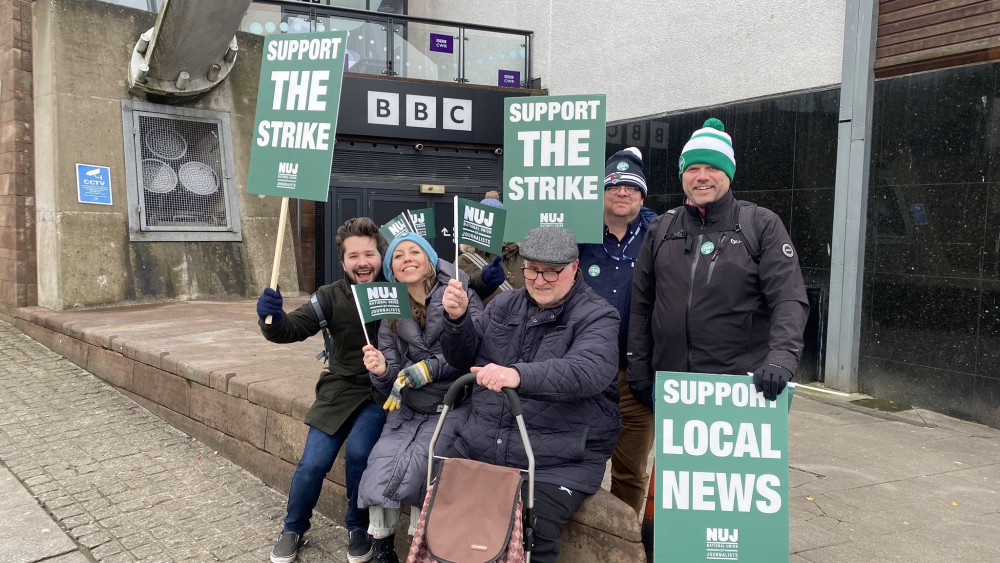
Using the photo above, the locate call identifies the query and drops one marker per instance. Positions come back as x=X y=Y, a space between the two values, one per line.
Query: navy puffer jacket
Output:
x=567 y=357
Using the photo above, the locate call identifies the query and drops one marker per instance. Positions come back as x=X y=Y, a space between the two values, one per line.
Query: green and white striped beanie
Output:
x=709 y=145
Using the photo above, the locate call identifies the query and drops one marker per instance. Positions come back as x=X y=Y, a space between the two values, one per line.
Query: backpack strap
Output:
x=665 y=234
x=327 y=354
x=745 y=224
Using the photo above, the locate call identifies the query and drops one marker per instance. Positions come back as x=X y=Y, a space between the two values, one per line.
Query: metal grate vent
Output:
x=181 y=167
x=179 y=180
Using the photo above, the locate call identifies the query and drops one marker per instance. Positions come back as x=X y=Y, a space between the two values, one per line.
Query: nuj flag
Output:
x=420 y=221
x=384 y=300
x=480 y=225
x=397 y=227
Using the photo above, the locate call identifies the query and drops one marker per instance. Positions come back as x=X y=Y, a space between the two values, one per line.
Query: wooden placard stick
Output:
x=279 y=240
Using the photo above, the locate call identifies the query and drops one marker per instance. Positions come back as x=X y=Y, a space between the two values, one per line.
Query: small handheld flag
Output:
x=480 y=225
x=397 y=227
x=385 y=300
x=422 y=221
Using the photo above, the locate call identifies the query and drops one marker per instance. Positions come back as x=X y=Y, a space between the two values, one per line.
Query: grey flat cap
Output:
x=551 y=245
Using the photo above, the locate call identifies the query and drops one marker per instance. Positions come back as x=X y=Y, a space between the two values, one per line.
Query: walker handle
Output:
x=470 y=379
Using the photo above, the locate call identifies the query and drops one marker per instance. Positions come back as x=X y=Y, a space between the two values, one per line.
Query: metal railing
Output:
x=407 y=46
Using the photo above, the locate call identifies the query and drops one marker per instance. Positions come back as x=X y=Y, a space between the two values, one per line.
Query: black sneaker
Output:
x=360 y=549
x=286 y=549
x=385 y=550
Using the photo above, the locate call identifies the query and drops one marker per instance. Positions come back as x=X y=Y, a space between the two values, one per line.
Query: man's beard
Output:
x=360 y=271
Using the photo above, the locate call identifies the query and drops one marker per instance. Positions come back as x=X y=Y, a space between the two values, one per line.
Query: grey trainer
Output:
x=286 y=549
x=360 y=548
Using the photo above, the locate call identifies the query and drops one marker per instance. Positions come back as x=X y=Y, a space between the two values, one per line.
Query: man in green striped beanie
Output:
x=718 y=287
x=707 y=164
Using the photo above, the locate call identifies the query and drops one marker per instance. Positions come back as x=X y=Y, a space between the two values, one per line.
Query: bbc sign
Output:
x=391 y=108
x=399 y=109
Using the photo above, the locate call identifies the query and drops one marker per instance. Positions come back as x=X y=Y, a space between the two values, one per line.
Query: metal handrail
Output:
x=388 y=21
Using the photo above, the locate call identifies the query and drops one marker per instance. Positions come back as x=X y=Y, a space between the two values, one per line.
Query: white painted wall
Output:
x=657 y=56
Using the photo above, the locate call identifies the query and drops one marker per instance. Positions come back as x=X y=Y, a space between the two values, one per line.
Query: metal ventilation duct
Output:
x=189 y=51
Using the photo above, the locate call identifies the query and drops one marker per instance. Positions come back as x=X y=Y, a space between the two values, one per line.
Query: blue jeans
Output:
x=360 y=434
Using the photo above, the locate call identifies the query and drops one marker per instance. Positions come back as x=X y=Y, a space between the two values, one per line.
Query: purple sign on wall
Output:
x=509 y=79
x=442 y=43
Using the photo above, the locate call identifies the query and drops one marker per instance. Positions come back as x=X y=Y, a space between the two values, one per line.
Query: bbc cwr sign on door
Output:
x=430 y=112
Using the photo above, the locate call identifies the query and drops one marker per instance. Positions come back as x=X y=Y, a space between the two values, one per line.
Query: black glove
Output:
x=493 y=274
x=643 y=392
x=771 y=379
x=269 y=303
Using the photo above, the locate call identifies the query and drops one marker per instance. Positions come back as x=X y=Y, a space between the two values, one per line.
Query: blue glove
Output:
x=642 y=391
x=269 y=303
x=493 y=274
x=771 y=379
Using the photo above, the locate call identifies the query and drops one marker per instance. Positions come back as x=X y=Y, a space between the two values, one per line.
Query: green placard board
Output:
x=383 y=300
x=553 y=166
x=480 y=225
x=297 y=104
x=721 y=470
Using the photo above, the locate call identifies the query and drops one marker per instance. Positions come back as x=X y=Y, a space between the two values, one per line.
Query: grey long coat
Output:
x=397 y=466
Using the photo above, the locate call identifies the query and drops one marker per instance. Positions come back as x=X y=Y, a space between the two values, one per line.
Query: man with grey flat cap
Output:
x=555 y=342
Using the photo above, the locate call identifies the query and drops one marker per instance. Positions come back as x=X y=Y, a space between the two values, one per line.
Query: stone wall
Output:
x=85 y=257
x=17 y=183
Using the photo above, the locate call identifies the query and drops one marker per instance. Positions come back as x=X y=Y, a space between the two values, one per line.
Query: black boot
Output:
x=385 y=550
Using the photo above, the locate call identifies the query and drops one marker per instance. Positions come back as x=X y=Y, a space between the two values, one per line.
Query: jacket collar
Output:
x=720 y=210
x=556 y=307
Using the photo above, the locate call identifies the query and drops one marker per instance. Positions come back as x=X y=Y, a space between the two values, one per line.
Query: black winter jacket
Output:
x=567 y=357
x=700 y=304
x=345 y=385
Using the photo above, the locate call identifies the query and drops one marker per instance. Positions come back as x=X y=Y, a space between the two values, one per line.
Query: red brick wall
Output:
x=18 y=282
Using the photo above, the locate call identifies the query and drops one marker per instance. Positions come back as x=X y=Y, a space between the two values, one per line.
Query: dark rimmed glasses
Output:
x=550 y=276
x=630 y=190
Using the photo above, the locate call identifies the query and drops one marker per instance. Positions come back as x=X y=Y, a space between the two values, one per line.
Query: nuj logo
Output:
x=417 y=218
x=478 y=216
x=552 y=217
x=288 y=168
x=397 y=228
x=381 y=293
x=722 y=535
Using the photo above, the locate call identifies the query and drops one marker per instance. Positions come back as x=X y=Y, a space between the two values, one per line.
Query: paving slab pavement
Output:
x=88 y=475
x=865 y=485
x=24 y=518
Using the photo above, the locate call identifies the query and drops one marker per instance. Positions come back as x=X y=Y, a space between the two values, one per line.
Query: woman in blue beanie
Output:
x=409 y=367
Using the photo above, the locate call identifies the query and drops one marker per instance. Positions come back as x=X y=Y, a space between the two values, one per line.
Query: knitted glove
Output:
x=771 y=379
x=493 y=274
x=396 y=395
x=269 y=303
x=418 y=374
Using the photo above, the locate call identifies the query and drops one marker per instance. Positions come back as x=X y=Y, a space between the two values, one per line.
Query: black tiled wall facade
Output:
x=930 y=334
x=931 y=311
x=786 y=160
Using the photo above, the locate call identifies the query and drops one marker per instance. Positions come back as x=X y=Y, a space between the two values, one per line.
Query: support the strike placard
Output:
x=297 y=104
x=721 y=470
x=553 y=170
x=298 y=99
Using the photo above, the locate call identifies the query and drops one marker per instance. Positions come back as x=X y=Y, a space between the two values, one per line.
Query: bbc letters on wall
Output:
x=373 y=107
x=391 y=108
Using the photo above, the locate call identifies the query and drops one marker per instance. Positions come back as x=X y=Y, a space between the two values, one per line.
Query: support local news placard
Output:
x=553 y=169
x=297 y=104
x=721 y=470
